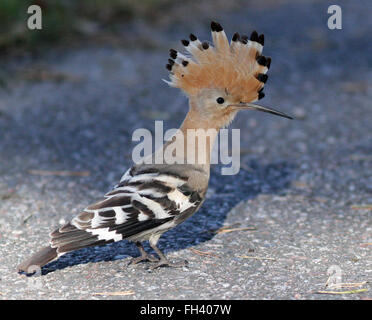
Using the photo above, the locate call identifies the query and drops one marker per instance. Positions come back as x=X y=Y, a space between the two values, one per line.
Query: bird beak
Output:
x=251 y=106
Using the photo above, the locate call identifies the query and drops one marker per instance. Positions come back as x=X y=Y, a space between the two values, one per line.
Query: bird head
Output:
x=221 y=78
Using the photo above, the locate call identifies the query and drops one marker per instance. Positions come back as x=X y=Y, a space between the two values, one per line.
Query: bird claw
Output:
x=167 y=263
x=147 y=257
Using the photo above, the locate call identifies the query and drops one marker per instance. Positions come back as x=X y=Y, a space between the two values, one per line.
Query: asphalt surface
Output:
x=304 y=189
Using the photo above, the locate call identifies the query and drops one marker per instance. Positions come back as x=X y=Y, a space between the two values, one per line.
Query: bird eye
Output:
x=220 y=100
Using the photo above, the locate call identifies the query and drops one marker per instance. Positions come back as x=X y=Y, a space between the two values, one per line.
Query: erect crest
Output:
x=237 y=67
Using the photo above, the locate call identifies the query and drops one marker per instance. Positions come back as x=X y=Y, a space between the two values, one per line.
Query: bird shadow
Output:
x=225 y=192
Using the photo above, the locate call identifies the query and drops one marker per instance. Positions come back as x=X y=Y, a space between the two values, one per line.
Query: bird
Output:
x=219 y=78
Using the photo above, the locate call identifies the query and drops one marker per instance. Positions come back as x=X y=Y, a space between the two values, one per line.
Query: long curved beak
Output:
x=251 y=106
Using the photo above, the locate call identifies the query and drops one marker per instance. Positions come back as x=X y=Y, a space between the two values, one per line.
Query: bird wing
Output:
x=143 y=200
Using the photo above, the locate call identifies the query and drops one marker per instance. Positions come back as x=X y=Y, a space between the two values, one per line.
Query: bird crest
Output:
x=236 y=67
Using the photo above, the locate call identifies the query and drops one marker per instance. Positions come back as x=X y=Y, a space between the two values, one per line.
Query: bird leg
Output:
x=164 y=262
x=144 y=255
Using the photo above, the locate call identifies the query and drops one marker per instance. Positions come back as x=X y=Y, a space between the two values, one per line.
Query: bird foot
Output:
x=146 y=257
x=167 y=263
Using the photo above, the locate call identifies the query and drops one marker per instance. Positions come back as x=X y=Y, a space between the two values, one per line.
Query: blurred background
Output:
x=67 y=20
x=72 y=94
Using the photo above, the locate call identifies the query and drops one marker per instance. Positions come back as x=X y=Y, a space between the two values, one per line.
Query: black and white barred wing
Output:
x=144 y=202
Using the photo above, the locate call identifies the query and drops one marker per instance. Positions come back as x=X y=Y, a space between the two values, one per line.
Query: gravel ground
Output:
x=304 y=187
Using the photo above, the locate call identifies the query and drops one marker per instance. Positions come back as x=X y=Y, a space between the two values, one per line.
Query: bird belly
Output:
x=145 y=235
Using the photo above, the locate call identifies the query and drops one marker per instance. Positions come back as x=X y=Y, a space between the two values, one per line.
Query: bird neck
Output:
x=197 y=138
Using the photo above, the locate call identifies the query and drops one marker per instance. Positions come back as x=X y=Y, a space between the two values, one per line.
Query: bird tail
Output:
x=38 y=260
x=64 y=239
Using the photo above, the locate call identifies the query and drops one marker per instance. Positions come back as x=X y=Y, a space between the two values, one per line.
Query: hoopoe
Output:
x=219 y=80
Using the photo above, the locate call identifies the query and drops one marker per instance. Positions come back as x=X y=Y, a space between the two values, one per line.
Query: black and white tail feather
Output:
x=148 y=201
